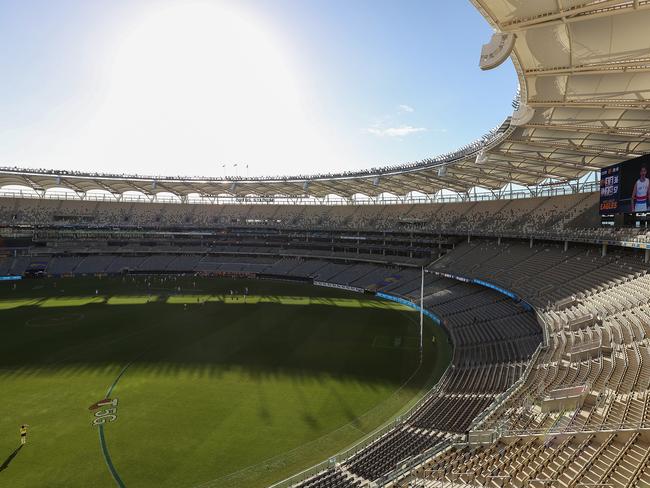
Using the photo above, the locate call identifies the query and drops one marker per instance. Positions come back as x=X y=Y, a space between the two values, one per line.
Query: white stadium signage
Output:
x=339 y=286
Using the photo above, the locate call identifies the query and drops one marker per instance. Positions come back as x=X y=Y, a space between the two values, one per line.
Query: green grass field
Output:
x=210 y=390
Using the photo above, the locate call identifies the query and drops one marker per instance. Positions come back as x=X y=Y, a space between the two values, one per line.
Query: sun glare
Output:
x=199 y=81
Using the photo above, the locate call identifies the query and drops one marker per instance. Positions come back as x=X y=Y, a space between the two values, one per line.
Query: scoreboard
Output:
x=619 y=183
x=610 y=186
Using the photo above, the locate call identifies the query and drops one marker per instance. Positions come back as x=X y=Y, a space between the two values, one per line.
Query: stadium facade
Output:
x=547 y=309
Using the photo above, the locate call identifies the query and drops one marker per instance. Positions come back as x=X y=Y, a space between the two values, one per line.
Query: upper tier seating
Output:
x=545 y=214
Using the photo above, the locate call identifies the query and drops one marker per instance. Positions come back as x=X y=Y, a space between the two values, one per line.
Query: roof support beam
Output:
x=504 y=177
x=590 y=129
x=100 y=184
x=448 y=182
x=69 y=184
x=596 y=9
x=479 y=177
x=580 y=150
x=642 y=104
x=32 y=184
x=409 y=184
x=549 y=160
x=634 y=66
x=426 y=179
x=508 y=164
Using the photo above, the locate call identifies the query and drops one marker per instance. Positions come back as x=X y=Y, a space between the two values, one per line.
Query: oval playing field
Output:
x=176 y=382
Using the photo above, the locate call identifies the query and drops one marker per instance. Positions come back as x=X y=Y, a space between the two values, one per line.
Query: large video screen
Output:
x=625 y=187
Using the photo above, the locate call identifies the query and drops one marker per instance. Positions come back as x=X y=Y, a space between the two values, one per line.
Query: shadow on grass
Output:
x=11 y=457
x=266 y=341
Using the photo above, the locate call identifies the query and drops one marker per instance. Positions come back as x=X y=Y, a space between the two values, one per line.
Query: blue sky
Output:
x=283 y=86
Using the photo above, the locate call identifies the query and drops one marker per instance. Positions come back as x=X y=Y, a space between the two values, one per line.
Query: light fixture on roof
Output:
x=482 y=157
x=442 y=170
x=522 y=115
x=375 y=181
x=497 y=50
x=305 y=186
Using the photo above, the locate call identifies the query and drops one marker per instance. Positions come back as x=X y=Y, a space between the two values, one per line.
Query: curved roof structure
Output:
x=584 y=74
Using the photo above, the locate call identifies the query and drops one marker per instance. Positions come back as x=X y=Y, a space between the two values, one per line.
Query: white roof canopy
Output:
x=583 y=67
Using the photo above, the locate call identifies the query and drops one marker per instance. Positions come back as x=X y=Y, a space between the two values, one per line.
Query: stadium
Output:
x=476 y=319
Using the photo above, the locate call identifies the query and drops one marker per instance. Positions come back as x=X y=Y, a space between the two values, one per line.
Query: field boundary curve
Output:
x=404 y=410
x=102 y=438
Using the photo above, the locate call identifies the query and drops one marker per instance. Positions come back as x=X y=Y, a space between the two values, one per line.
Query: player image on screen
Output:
x=641 y=191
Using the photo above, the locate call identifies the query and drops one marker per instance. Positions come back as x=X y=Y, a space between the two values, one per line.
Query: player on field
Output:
x=23 y=434
x=641 y=192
